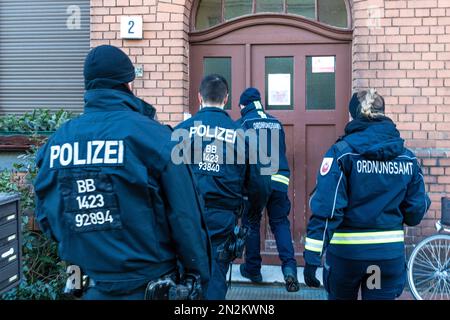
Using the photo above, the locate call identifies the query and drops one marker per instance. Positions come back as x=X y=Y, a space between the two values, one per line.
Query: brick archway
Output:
x=163 y=52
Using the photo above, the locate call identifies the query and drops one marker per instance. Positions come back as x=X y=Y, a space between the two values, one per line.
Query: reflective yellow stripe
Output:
x=313 y=245
x=314 y=241
x=280 y=178
x=368 y=237
x=313 y=249
x=257 y=104
x=262 y=114
x=369 y=234
x=280 y=181
x=365 y=241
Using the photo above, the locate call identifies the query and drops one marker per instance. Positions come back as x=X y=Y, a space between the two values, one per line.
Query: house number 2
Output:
x=131 y=27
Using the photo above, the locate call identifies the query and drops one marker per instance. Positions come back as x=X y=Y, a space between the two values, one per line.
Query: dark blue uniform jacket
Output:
x=108 y=192
x=254 y=117
x=369 y=185
x=219 y=158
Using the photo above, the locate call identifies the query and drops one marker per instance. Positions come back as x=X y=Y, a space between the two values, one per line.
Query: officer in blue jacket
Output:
x=278 y=207
x=220 y=162
x=368 y=186
x=109 y=194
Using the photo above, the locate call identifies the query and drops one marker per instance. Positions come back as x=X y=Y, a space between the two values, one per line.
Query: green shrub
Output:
x=40 y=120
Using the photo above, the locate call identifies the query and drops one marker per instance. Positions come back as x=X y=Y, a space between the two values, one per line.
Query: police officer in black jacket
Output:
x=220 y=162
x=109 y=194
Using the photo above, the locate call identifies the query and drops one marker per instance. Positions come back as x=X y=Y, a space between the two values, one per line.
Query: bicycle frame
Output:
x=442 y=228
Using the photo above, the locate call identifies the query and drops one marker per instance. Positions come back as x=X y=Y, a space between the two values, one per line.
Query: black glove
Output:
x=233 y=247
x=194 y=285
x=162 y=289
x=309 y=274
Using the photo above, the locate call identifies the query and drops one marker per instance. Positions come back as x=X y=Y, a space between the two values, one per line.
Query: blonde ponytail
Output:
x=372 y=104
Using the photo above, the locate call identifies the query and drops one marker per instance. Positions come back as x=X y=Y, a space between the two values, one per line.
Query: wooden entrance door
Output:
x=303 y=71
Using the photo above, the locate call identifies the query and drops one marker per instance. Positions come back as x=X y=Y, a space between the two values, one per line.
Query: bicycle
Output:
x=429 y=264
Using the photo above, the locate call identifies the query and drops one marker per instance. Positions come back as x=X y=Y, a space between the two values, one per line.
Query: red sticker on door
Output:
x=326 y=166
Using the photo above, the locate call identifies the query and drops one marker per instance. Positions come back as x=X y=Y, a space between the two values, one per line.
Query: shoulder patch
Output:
x=326 y=166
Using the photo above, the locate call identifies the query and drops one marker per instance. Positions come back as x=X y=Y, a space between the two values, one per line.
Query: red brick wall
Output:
x=163 y=52
x=401 y=47
x=405 y=54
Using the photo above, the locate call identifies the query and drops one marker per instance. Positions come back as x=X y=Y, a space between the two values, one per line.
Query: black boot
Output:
x=257 y=278
x=290 y=277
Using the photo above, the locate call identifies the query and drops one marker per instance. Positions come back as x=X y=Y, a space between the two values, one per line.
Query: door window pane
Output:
x=209 y=14
x=237 y=8
x=269 y=6
x=320 y=83
x=221 y=66
x=280 y=83
x=333 y=12
x=305 y=8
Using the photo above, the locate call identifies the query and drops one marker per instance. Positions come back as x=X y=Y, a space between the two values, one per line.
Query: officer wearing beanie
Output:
x=278 y=207
x=368 y=186
x=109 y=194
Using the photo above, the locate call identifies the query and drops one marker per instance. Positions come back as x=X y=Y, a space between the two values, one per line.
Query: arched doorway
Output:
x=302 y=68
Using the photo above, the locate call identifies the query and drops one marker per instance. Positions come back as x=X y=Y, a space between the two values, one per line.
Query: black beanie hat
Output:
x=354 y=106
x=107 y=64
x=249 y=95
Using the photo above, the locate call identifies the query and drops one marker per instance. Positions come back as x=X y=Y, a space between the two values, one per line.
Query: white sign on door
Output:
x=131 y=27
x=323 y=64
x=279 y=89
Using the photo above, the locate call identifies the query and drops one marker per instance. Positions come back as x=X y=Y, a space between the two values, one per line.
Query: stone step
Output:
x=270 y=274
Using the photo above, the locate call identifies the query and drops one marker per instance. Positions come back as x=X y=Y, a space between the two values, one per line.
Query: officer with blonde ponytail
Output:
x=368 y=187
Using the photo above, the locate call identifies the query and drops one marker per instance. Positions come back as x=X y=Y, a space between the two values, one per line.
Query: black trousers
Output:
x=378 y=280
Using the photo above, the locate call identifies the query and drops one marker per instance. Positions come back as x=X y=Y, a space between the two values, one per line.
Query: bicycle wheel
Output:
x=429 y=269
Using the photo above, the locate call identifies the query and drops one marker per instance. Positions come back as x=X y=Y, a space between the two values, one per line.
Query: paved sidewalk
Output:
x=246 y=291
x=273 y=288
x=271 y=275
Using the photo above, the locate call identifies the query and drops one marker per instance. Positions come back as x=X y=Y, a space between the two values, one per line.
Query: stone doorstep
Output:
x=270 y=274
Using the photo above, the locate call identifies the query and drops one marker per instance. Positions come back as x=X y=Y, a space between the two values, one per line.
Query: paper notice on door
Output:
x=323 y=64
x=279 y=89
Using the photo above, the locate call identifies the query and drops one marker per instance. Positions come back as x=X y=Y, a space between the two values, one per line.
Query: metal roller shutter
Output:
x=42 y=49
